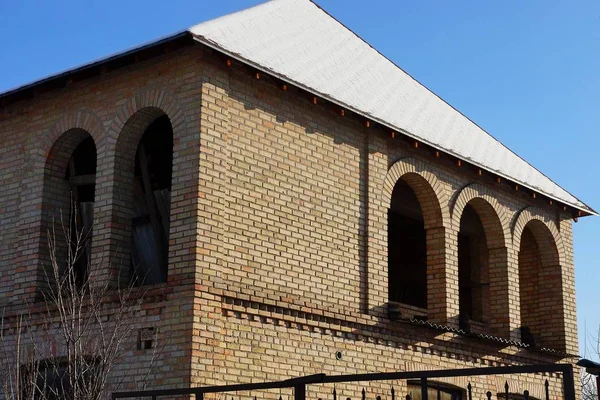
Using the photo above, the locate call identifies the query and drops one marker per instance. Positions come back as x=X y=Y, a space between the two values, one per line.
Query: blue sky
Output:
x=526 y=71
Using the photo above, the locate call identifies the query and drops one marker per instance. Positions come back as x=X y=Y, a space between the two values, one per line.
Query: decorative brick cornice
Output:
x=406 y=335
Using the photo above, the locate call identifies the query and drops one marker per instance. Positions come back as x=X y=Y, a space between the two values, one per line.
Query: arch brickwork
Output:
x=426 y=186
x=502 y=313
x=432 y=200
x=541 y=262
x=535 y=213
x=53 y=149
x=116 y=193
x=493 y=217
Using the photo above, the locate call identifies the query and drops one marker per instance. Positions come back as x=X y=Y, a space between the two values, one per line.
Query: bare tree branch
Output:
x=69 y=345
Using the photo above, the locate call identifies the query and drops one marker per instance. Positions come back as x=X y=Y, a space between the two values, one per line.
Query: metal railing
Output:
x=299 y=384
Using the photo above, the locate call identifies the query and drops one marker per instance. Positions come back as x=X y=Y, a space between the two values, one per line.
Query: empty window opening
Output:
x=81 y=175
x=53 y=379
x=540 y=288
x=473 y=268
x=152 y=203
x=407 y=250
x=530 y=266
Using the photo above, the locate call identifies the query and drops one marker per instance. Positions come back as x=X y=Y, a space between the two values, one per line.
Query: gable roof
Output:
x=298 y=42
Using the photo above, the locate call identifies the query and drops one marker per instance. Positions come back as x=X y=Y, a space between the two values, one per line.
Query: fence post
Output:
x=300 y=392
x=423 y=388
x=568 y=383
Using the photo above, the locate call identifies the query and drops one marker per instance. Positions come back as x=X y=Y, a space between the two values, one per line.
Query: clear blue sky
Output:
x=526 y=71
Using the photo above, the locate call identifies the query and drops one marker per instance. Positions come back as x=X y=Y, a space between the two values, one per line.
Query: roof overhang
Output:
x=98 y=67
x=186 y=38
x=582 y=211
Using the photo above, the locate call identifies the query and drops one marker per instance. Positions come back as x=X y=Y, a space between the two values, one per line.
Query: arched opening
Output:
x=540 y=287
x=152 y=203
x=407 y=248
x=81 y=174
x=435 y=390
x=68 y=204
x=473 y=269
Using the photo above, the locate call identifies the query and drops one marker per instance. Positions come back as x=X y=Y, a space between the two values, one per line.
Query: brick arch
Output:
x=494 y=299
x=47 y=157
x=530 y=213
x=129 y=124
x=426 y=186
x=83 y=120
x=156 y=99
x=432 y=200
x=492 y=215
x=541 y=281
x=57 y=199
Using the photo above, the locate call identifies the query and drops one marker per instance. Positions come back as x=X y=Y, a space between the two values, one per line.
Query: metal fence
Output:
x=423 y=377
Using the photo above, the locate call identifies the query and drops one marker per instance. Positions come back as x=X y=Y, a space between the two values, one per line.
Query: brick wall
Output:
x=38 y=137
x=278 y=234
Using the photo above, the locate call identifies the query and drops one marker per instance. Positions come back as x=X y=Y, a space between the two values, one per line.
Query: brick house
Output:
x=309 y=197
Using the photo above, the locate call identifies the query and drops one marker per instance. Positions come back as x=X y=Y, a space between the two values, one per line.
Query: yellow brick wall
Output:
x=278 y=242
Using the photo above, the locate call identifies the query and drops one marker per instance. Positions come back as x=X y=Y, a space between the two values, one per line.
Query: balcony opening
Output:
x=81 y=175
x=541 y=288
x=152 y=203
x=407 y=248
x=473 y=269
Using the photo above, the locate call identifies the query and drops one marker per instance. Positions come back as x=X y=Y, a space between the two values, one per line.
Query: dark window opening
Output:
x=81 y=174
x=435 y=391
x=152 y=203
x=50 y=380
x=407 y=250
x=472 y=267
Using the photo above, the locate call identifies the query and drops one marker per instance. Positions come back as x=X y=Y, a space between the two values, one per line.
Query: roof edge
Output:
x=587 y=210
x=187 y=33
x=95 y=63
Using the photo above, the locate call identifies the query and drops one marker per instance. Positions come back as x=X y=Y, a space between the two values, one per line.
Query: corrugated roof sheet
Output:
x=298 y=42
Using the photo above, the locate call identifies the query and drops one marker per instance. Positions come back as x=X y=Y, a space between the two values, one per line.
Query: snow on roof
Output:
x=301 y=44
x=298 y=42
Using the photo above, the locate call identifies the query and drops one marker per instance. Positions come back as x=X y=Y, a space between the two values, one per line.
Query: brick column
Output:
x=438 y=288
x=503 y=295
x=451 y=307
x=374 y=292
x=571 y=344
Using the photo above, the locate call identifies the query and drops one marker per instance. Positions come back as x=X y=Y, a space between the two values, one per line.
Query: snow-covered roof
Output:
x=300 y=43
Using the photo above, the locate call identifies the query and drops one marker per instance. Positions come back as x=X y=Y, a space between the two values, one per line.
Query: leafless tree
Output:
x=589 y=391
x=68 y=345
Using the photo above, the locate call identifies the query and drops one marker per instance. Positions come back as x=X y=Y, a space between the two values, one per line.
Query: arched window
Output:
x=68 y=204
x=152 y=203
x=540 y=284
x=473 y=268
x=407 y=248
x=81 y=174
x=435 y=391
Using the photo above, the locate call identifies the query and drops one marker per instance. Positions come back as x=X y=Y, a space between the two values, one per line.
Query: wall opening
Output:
x=435 y=390
x=81 y=174
x=540 y=288
x=407 y=248
x=68 y=206
x=152 y=203
x=473 y=268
